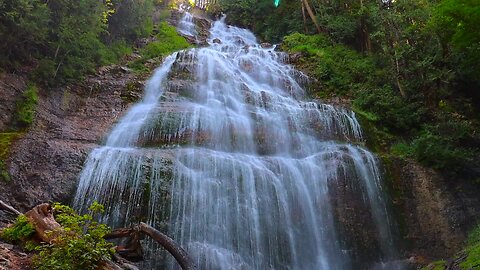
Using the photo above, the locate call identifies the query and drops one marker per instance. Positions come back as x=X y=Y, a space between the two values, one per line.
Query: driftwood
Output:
x=42 y=219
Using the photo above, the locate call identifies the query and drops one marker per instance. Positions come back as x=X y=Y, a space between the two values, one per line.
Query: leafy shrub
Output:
x=392 y=110
x=114 y=52
x=401 y=149
x=21 y=230
x=23 y=29
x=445 y=145
x=168 y=42
x=27 y=106
x=131 y=20
x=340 y=69
x=80 y=245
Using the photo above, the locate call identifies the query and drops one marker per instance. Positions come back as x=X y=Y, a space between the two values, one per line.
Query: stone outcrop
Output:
x=434 y=212
x=45 y=162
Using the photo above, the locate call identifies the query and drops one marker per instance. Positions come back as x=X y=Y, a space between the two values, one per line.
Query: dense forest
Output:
x=409 y=69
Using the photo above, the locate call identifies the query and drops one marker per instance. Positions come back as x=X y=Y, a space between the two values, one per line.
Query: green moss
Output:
x=168 y=42
x=26 y=107
x=6 y=139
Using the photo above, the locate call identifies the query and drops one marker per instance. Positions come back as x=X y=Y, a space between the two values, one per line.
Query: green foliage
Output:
x=26 y=107
x=4 y=175
x=79 y=245
x=114 y=52
x=73 y=40
x=341 y=70
x=168 y=41
x=67 y=39
x=445 y=145
x=20 y=231
x=401 y=149
x=474 y=236
x=6 y=139
x=391 y=110
x=131 y=20
x=23 y=30
x=456 y=22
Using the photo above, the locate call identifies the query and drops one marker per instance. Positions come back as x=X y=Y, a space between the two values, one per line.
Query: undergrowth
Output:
x=78 y=244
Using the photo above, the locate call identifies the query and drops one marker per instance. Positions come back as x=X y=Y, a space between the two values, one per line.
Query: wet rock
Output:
x=132 y=57
x=142 y=42
x=217 y=41
x=266 y=45
x=294 y=58
x=239 y=41
x=125 y=69
x=190 y=39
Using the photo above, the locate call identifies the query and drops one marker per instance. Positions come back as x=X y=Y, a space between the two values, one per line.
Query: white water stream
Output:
x=226 y=155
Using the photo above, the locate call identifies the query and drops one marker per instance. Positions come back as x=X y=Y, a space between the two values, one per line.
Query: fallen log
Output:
x=171 y=246
x=182 y=257
x=9 y=208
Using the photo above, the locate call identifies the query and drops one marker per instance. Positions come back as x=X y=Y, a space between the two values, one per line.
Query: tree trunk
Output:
x=304 y=19
x=178 y=252
x=168 y=243
x=312 y=16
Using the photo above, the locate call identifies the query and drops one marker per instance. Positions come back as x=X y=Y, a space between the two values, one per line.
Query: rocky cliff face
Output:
x=45 y=161
x=435 y=213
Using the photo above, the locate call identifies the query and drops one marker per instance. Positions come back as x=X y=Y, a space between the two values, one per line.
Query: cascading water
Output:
x=225 y=155
x=186 y=26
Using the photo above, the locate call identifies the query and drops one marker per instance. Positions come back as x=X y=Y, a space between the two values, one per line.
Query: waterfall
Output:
x=186 y=26
x=226 y=155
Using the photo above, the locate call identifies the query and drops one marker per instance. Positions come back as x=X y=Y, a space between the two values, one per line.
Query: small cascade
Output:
x=186 y=26
x=226 y=155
